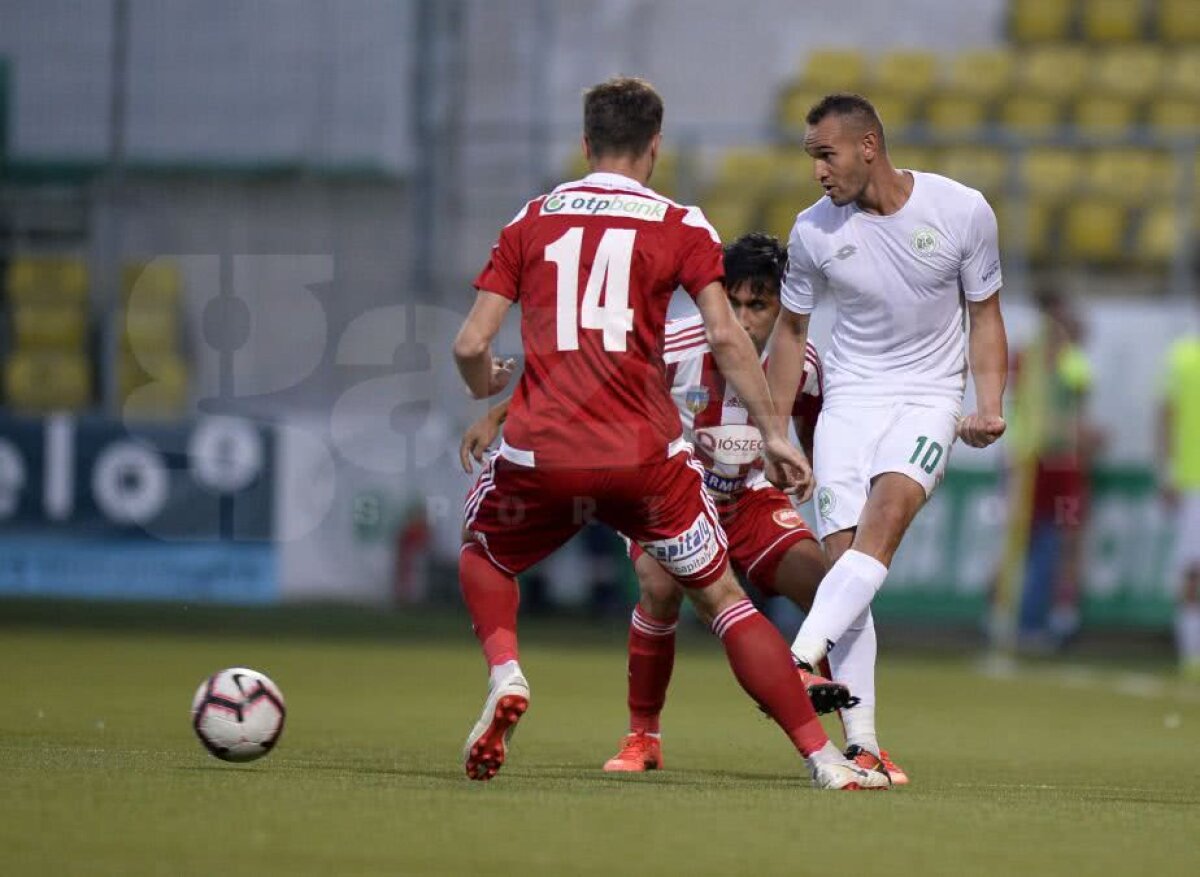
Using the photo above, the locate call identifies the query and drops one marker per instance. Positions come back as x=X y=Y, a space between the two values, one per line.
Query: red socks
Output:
x=492 y=597
x=763 y=665
x=651 y=659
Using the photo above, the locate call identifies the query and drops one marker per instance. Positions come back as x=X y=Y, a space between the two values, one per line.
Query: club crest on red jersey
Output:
x=696 y=399
x=788 y=518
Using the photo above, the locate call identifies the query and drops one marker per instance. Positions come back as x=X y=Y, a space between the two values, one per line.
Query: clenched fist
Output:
x=979 y=430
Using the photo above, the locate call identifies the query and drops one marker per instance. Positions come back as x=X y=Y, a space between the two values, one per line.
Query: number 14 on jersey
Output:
x=608 y=279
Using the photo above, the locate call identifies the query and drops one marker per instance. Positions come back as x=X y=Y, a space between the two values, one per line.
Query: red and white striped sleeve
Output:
x=814 y=373
x=684 y=339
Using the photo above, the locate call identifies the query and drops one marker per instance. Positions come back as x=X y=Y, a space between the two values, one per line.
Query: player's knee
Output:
x=661 y=600
x=710 y=601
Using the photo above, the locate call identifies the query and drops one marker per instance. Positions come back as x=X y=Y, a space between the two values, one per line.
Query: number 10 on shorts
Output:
x=932 y=452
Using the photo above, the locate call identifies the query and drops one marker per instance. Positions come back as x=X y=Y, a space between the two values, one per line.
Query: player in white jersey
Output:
x=769 y=543
x=898 y=251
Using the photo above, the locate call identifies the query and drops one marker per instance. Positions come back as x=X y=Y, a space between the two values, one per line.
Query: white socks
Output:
x=827 y=754
x=501 y=673
x=845 y=594
x=1187 y=632
x=852 y=662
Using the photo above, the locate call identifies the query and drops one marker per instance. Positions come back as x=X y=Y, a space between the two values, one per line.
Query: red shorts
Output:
x=761 y=526
x=519 y=515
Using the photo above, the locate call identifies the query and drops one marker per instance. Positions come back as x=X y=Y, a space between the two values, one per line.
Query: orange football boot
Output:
x=826 y=695
x=867 y=760
x=638 y=752
x=899 y=777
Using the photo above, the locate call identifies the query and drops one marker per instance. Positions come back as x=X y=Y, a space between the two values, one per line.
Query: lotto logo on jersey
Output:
x=689 y=552
x=616 y=204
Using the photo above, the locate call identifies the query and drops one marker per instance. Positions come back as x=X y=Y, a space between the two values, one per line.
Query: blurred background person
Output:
x=1051 y=456
x=1179 y=434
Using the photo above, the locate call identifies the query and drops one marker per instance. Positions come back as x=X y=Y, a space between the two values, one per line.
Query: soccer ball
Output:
x=238 y=714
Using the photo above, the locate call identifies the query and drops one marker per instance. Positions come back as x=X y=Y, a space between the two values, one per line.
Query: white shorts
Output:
x=1187 y=532
x=855 y=444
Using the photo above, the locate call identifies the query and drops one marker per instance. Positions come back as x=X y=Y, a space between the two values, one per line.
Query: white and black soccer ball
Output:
x=238 y=714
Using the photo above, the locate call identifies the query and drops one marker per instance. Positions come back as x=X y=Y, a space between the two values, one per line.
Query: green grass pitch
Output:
x=1084 y=773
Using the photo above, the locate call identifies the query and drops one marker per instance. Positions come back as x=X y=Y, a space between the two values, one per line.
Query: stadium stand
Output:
x=48 y=366
x=1078 y=122
x=151 y=374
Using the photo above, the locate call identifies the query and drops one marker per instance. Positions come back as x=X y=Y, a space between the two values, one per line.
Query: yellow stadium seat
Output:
x=913 y=158
x=1179 y=21
x=1104 y=115
x=1050 y=174
x=730 y=215
x=150 y=328
x=1182 y=75
x=43 y=278
x=1111 y=21
x=794 y=168
x=955 y=114
x=1129 y=175
x=53 y=325
x=152 y=387
x=780 y=213
x=794 y=104
x=1037 y=20
x=985 y=73
x=1174 y=116
x=1130 y=71
x=157 y=281
x=1157 y=235
x=896 y=111
x=745 y=171
x=1031 y=115
x=41 y=381
x=1054 y=70
x=978 y=167
x=1094 y=231
x=835 y=70
x=910 y=73
x=1026 y=225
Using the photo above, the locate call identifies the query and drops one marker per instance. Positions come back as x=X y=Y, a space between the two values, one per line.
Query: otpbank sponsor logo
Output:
x=591 y=204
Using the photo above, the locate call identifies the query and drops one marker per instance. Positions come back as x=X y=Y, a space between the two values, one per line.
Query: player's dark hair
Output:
x=621 y=116
x=844 y=103
x=758 y=259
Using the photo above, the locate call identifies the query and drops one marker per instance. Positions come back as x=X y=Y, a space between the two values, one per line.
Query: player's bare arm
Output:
x=785 y=372
x=987 y=350
x=483 y=374
x=480 y=435
x=738 y=361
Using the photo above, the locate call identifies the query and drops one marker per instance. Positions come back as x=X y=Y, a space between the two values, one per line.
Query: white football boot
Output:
x=832 y=770
x=487 y=745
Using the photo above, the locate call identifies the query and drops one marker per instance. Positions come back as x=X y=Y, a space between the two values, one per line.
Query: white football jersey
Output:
x=899 y=283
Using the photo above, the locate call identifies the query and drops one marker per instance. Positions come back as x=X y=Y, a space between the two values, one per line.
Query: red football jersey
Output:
x=593 y=265
x=715 y=420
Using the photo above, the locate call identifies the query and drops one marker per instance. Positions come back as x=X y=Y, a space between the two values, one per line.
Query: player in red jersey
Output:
x=769 y=543
x=591 y=432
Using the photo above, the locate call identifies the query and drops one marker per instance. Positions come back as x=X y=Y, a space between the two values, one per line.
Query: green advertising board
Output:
x=949 y=560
